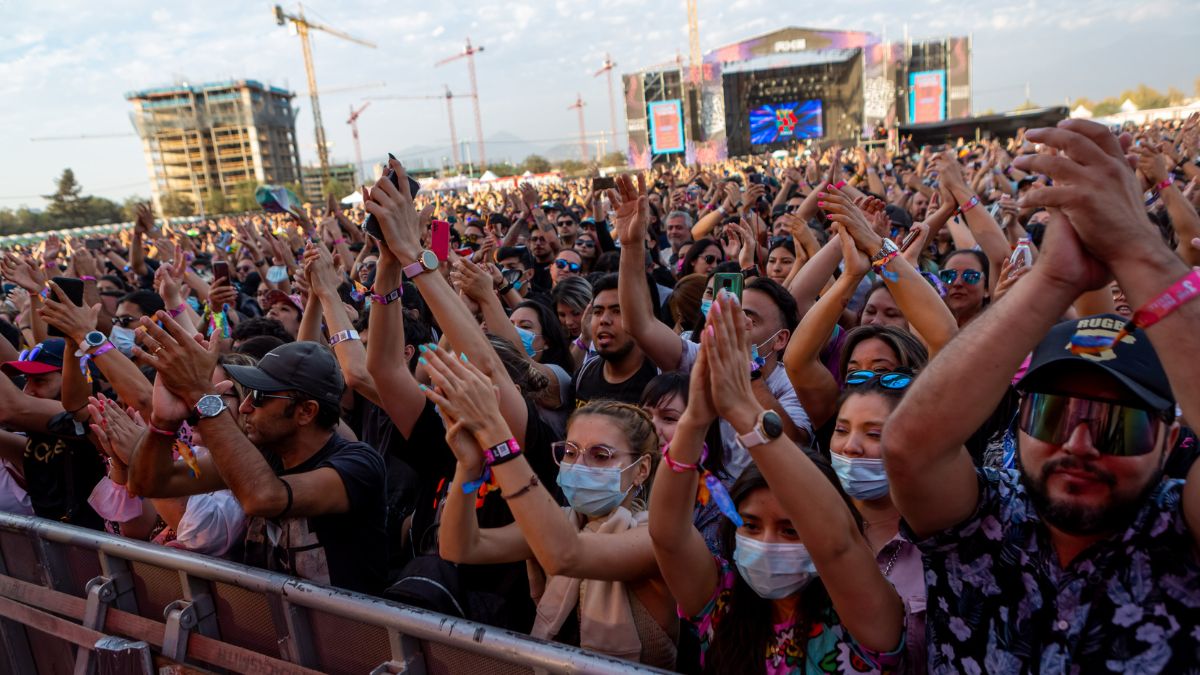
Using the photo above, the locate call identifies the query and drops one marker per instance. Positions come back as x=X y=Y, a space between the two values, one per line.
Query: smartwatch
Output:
x=427 y=261
x=889 y=247
x=768 y=428
x=91 y=341
x=210 y=405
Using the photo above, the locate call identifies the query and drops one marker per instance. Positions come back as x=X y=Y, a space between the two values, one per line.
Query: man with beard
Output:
x=618 y=370
x=1084 y=558
x=315 y=501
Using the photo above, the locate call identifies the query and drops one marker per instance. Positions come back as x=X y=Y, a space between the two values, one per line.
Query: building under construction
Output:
x=203 y=139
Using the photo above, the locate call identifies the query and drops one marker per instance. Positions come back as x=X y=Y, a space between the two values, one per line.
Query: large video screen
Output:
x=666 y=126
x=781 y=122
x=927 y=96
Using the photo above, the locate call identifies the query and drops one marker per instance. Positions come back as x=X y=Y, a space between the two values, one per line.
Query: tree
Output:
x=502 y=169
x=535 y=164
x=614 y=159
x=337 y=188
x=67 y=207
x=572 y=167
x=175 y=204
x=243 y=197
x=101 y=211
x=215 y=203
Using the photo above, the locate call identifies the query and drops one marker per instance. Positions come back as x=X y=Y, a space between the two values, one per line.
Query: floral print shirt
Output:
x=826 y=648
x=1000 y=602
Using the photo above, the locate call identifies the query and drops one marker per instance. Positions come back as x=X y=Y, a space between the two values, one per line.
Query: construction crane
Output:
x=303 y=26
x=693 y=40
x=469 y=53
x=353 y=122
x=80 y=137
x=578 y=105
x=449 y=98
x=612 y=103
x=350 y=87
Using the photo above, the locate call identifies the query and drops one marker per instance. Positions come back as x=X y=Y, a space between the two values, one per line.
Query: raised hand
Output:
x=632 y=210
x=23 y=273
x=397 y=215
x=118 y=430
x=728 y=354
x=184 y=365
x=74 y=321
x=323 y=277
x=841 y=210
x=474 y=282
x=463 y=391
x=144 y=224
x=1152 y=164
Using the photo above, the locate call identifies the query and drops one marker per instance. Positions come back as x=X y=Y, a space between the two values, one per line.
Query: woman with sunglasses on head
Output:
x=863 y=250
x=857 y=456
x=601 y=588
x=795 y=589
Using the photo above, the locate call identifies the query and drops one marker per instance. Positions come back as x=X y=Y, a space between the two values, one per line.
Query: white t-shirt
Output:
x=737 y=457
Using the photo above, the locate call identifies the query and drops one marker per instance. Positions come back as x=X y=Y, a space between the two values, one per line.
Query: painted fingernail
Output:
x=423 y=349
x=433 y=346
x=820 y=203
x=464 y=358
x=422 y=387
x=422 y=361
x=710 y=332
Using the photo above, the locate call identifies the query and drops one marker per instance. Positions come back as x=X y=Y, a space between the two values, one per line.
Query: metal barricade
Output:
x=77 y=600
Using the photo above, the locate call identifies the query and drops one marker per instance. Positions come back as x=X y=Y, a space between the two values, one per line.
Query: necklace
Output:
x=887 y=571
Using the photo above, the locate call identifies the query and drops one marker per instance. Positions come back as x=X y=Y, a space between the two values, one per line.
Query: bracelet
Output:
x=533 y=482
x=343 y=336
x=504 y=290
x=87 y=277
x=474 y=485
x=178 y=310
x=501 y=453
x=580 y=344
x=286 y=486
x=683 y=467
x=162 y=432
x=887 y=258
x=1187 y=288
x=390 y=297
x=1167 y=182
x=971 y=203
x=339 y=241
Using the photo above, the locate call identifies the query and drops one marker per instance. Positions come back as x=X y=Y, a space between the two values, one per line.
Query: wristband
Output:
x=501 y=453
x=504 y=290
x=177 y=311
x=474 y=485
x=683 y=467
x=533 y=482
x=162 y=432
x=1182 y=291
x=390 y=297
x=580 y=344
x=343 y=336
x=971 y=203
x=87 y=277
x=288 y=507
x=339 y=241
x=1167 y=182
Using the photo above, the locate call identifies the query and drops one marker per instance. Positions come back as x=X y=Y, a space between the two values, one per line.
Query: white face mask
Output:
x=862 y=478
x=774 y=571
x=123 y=339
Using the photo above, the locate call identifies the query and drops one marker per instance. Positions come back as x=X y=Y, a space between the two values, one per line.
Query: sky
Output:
x=65 y=66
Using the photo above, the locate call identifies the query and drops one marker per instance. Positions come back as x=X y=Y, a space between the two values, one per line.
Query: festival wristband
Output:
x=343 y=336
x=1172 y=299
x=683 y=467
x=972 y=203
x=501 y=453
x=1167 y=182
x=87 y=277
x=162 y=432
x=474 y=485
x=390 y=297
x=336 y=242
x=177 y=311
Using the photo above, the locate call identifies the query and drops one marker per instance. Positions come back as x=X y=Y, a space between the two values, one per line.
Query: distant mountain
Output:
x=502 y=146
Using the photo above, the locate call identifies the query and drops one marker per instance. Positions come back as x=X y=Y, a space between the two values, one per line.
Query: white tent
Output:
x=1081 y=112
x=1128 y=106
x=352 y=198
x=488 y=175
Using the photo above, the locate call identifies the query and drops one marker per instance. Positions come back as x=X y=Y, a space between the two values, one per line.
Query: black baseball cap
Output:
x=1132 y=361
x=46 y=357
x=306 y=367
x=900 y=217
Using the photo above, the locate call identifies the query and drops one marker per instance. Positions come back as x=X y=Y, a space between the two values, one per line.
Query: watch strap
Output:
x=413 y=270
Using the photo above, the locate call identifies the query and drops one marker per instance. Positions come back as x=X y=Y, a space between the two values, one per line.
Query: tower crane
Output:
x=302 y=26
x=449 y=98
x=469 y=53
x=607 y=67
x=353 y=122
x=578 y=105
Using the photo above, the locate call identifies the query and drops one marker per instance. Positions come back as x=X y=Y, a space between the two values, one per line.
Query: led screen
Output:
x=666 y=126
x=780 y=122
x=927 y=96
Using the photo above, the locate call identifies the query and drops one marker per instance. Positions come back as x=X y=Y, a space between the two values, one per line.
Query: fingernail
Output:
x=422 y=361
x=433 y=346
x=423 y=349
x=464 y=358
x=422 y=387
x=391 y=156
x=710 y=332
x=820 y=203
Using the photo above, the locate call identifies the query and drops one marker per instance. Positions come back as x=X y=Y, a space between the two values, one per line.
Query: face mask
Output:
x=705 y=305
x=590 y=490
x=122 y=339
x=527 y=337
x=774 y=571
x=862 y=478
x=754 y=355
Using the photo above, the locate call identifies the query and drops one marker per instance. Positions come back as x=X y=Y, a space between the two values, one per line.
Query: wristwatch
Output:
x=91 y=340
x=427 y=261
x=210 y=405
x=768 y=428
x=889 y=247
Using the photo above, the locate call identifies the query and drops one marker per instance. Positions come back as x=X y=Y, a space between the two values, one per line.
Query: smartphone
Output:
x=908 y=240
x=94 y=244
x=730 y=281
x=74 y=290
x=439 y=239
x=371 y=225
x=220 y=270
x=604 y=183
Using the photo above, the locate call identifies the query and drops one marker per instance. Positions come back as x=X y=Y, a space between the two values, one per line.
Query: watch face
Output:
x=94 y=338
x=772 y=425
x=210 y=405
x=429 y=260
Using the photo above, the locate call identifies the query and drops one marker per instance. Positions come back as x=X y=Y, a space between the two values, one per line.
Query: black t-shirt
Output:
x=541 y=275
x=341 y=549
x=591 y=385
x=60 y=474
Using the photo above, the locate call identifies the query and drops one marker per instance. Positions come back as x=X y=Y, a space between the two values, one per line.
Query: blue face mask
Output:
x=754 y=355
x=527 y=337
x=862 y=478
x=590 y=490
x=774 y=571
x=122 y=339
x=705 y=305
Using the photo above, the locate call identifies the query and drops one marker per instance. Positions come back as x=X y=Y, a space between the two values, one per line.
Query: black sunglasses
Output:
x=709 y=259
x=969 y=277
x=259 y=398
x=566 y=264
x=123 y=321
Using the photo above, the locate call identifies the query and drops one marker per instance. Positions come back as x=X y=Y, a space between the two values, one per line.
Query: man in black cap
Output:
x=59 y=464
x=315 y=500
x=1083 y=558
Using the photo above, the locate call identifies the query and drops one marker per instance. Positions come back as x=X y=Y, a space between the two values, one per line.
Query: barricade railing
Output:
x=77 y=600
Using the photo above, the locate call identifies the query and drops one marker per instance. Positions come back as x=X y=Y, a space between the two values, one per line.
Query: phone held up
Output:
x=729 y=281
x=371 y=224
x=74 y=290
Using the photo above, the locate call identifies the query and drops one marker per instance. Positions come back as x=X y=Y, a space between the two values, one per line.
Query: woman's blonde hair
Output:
x=639 y=430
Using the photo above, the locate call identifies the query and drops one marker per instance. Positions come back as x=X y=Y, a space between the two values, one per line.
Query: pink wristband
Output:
x=339 y=241
x=177 y=311
x=87 y=277
x=1167 y=182
x=1172 y=299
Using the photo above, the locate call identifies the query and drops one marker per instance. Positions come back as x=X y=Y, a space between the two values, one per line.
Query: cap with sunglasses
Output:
x=45 y=357
x=306 y=367
x=1132 y=362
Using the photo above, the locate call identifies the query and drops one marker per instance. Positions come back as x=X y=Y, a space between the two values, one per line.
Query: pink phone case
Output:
x=440 y=239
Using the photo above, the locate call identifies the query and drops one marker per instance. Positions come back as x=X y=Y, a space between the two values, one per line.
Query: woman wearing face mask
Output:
x=857 y=457
x=795 y=589
x=601 y=588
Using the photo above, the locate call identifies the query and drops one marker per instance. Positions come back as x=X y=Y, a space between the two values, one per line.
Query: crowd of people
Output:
x=921 y=409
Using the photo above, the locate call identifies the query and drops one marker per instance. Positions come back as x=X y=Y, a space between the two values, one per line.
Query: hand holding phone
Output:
x=371 y=224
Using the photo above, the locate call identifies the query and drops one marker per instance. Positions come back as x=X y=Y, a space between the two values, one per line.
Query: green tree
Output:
x=535 y=164
x=243 y=197
x=337 y=188
x=67 y=206
x=175 y=204
x=502 y=169
x=572 y=167
x=215 y=203
x=129 y=207
x=614 y=159
x=102 y=211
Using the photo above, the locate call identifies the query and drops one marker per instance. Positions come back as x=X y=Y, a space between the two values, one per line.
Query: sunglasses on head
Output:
x=1117 y=430
x=29 y=354
x=566 y=264
x=889 y=380
x=259 y=398
x=969 y=277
